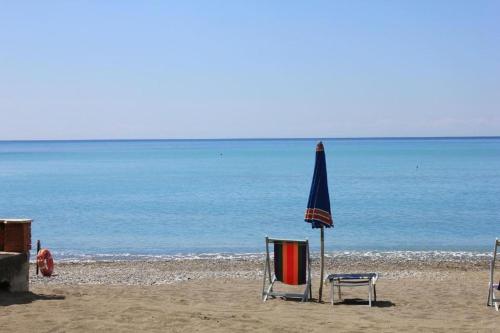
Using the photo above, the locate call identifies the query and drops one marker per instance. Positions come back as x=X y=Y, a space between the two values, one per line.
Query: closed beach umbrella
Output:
x=318 y=211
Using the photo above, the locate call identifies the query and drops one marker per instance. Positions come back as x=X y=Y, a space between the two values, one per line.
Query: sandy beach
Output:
x=427 y=294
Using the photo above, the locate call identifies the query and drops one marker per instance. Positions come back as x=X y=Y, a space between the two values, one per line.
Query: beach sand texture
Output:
x=224 y=296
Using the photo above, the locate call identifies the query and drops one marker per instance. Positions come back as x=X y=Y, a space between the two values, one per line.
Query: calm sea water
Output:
x=92 y=198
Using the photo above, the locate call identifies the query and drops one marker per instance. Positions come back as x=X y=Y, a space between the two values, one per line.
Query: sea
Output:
x=147 y=199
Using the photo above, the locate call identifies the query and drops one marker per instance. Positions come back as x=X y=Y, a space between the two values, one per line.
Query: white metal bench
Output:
x=354 y=280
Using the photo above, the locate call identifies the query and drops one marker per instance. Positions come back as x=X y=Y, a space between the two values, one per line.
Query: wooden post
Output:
x=38 y=246
x=320 y=297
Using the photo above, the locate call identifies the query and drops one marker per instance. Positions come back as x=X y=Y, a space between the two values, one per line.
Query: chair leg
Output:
x=264 y=285
x=265 y=296
x=374 y=292
x=370 y=294
x=340 y=292
x=269 y=289
x=332 y=292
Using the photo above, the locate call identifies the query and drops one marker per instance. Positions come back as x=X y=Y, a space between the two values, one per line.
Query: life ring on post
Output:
x=45 y=262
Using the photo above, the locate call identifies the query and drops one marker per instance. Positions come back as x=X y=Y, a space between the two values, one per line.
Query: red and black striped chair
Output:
x=292 y=266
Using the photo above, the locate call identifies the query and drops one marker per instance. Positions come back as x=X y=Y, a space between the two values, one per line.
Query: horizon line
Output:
x=264 y=139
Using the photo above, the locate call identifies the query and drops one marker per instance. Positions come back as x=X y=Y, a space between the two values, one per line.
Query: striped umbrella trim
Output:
x=316 y=214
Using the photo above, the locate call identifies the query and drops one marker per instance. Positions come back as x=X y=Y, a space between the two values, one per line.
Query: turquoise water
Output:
x=90 y=198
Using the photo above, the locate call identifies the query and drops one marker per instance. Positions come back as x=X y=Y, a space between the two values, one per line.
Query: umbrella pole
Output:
x=322 y=265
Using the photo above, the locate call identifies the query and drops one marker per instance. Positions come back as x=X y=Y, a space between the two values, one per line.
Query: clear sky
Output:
x=241 y=69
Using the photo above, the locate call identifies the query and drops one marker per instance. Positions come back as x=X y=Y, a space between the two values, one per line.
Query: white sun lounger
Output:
x=493 y=287
x=354 y=280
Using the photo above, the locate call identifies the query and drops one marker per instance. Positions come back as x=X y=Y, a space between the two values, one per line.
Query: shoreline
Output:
x=157 y=272
x=397 y=255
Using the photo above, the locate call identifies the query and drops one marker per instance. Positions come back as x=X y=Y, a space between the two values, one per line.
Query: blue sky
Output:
x=242 y=69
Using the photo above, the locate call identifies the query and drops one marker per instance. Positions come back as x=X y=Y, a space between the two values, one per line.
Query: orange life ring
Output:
x=45 y=262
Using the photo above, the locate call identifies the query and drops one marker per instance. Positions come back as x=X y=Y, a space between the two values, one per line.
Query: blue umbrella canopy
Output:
x=318 y=211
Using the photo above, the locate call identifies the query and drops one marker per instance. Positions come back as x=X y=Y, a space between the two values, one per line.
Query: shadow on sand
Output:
x=7 y=298
x=359 y=301
x=351 y=301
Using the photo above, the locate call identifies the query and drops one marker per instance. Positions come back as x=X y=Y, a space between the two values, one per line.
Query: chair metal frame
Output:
x=270 y=277
x=493 y=300
x=354 y=280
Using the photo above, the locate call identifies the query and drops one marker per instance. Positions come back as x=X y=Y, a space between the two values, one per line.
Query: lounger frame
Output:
x=345 y=280
x=270 y=277
x=493 y=300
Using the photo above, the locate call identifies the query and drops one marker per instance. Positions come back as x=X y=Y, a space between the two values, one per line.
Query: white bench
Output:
x=354 y=280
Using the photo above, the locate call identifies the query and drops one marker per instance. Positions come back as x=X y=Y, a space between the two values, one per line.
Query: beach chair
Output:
x=292 y=266
x=354 y=280
x=493 y=300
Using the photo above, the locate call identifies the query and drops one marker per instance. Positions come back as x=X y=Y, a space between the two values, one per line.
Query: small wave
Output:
x=69 y=257
x=414 y=255
x=73 y=257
